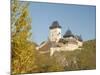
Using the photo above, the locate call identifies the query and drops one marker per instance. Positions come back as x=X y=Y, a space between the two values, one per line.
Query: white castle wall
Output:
x=80 y=43
x=55 y=34
x=71 y=44
x=66 y=47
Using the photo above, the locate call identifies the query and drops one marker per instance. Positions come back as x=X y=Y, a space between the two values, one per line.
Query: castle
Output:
x=57 y=42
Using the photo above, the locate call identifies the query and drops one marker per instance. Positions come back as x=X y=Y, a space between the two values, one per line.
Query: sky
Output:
x=80 y=19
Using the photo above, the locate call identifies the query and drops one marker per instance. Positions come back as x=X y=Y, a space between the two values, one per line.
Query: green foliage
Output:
x=87 y=56
x=70 y=60
x=46 y=63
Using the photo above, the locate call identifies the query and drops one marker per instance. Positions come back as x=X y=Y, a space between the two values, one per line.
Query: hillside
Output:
x=70 y=60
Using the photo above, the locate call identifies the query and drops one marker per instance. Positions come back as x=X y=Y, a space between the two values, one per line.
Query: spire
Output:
x=80 y=38
x=68 y=33
x=55 y=24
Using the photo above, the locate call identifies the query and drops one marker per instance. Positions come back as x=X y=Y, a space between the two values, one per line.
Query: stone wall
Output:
x=66 y=47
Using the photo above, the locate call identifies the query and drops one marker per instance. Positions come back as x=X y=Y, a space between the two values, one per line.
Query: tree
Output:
x=22 y=48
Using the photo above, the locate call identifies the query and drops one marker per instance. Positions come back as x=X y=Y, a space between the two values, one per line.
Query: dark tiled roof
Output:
x=68 y=34
x=55 y=24
x=79 y=38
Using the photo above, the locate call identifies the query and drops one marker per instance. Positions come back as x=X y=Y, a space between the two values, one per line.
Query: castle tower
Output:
x=55 y=32
x=68 y=34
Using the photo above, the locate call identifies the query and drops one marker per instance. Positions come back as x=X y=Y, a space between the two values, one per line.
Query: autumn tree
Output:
x=22 y=47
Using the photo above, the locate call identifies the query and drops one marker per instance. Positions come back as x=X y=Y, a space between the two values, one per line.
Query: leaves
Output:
x=23 y=49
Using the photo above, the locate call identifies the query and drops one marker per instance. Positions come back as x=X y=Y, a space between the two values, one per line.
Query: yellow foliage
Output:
x=23 y=49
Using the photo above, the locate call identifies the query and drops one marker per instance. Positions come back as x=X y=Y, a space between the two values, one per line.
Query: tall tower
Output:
x=55 y=32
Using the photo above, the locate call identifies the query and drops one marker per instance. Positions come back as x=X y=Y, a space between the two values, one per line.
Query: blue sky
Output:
x=79 y=18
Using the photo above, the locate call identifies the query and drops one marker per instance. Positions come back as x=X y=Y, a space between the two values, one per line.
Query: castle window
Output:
x=58 y=33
